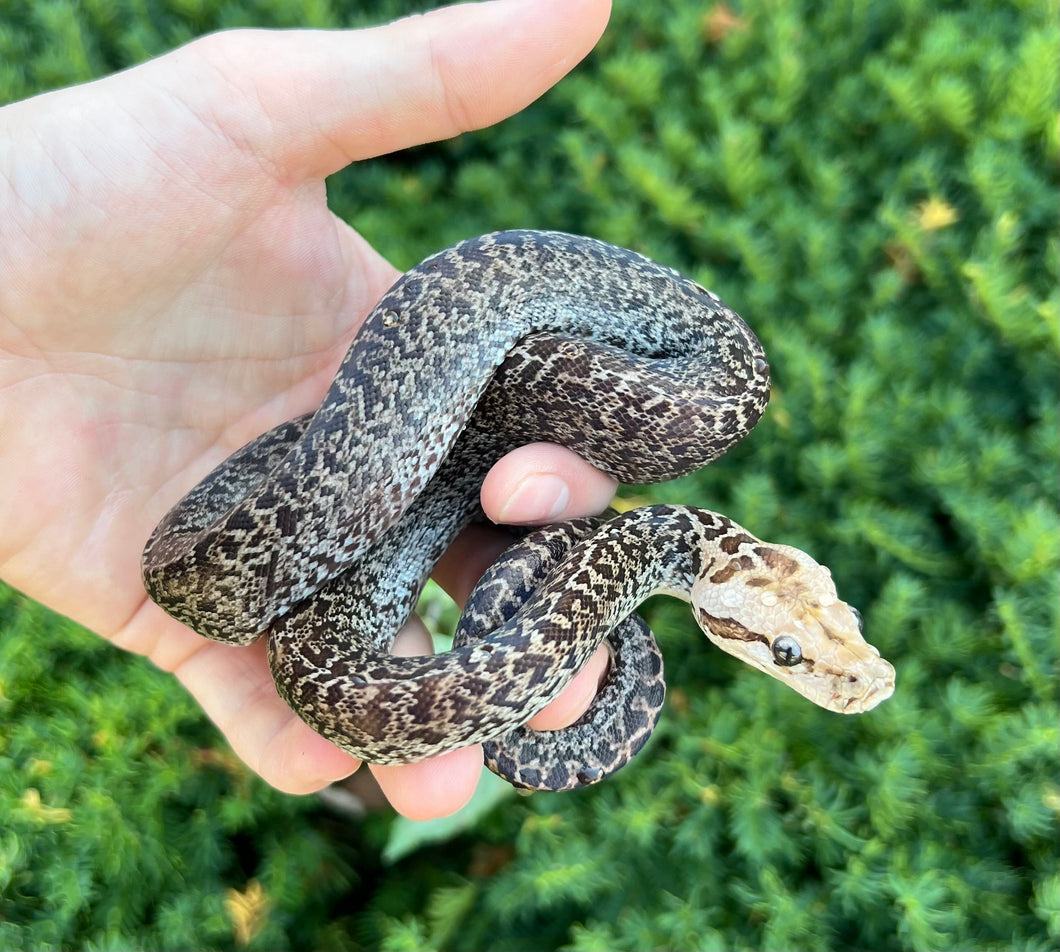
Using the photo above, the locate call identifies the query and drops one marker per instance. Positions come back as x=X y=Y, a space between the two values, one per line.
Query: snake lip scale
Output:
x=320 y=533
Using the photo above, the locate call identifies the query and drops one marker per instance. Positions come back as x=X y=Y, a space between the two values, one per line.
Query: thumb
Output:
x=323 y=99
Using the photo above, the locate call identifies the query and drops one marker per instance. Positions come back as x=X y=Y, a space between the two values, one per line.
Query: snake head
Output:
x=777 y=609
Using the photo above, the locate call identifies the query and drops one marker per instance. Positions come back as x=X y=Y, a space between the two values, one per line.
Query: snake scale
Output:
x=321 y=532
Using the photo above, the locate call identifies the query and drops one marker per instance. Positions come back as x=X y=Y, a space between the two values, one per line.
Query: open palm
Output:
x=172 y=284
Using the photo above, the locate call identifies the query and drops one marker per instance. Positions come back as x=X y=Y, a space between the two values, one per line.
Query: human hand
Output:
x=172 y=284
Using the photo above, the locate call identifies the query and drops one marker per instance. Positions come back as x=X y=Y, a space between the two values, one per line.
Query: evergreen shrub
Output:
x=873 y=185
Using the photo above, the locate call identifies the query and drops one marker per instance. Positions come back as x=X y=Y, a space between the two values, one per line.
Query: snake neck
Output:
x=661 y=549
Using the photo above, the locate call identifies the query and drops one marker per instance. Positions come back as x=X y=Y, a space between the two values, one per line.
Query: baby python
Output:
x=321 y=532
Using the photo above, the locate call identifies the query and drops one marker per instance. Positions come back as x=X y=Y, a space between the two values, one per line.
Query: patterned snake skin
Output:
x=321 y=532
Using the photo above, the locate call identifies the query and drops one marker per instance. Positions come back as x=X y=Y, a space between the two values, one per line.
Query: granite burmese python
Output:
x=320 y=533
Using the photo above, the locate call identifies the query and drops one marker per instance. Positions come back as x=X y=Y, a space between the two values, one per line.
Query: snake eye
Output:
x=786 y=651
x=857 y=617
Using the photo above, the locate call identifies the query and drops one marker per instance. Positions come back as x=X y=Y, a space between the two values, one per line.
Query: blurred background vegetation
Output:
x=873 y=185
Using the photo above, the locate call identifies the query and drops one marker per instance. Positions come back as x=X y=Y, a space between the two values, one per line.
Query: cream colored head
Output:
x=777 y=609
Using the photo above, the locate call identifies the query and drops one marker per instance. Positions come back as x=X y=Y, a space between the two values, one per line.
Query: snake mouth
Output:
x=878 y=691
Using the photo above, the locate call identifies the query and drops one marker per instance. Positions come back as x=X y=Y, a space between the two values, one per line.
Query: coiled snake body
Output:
x=322 y=531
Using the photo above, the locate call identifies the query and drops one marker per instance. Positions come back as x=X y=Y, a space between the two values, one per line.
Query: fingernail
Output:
x=537 y=498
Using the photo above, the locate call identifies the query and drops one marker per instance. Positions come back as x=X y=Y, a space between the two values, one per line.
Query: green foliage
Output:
x=125 y=823
x=873 y=185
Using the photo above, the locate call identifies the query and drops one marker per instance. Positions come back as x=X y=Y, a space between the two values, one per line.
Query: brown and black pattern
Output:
x=321 y=532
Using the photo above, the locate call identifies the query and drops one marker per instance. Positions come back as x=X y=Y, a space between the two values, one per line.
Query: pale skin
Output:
x=172 y=284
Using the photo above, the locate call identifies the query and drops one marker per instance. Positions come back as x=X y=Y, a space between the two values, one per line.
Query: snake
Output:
x=319 y=534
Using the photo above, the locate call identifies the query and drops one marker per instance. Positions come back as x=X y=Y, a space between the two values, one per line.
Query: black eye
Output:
x=786 y=651
x=857 y=615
